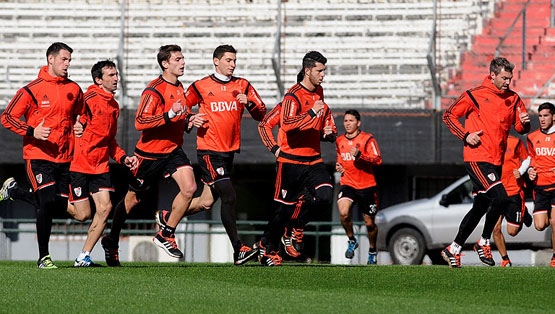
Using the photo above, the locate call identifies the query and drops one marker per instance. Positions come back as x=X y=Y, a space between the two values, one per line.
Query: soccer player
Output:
x=89 y=171
x=302 y=181
x=223 y=98
x=542 y=171
x=515 y=164
x=489 y=111
x=162 y=118
x=50 y=105
x=357 y=155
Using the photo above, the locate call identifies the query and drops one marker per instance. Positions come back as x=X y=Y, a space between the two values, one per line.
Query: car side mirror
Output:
x=444 y=200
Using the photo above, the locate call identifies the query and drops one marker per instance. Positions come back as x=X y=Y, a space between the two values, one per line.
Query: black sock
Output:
x=237 y=245
x=352 y=239
x=505 y=258
x=372 y=250
x=168 y=231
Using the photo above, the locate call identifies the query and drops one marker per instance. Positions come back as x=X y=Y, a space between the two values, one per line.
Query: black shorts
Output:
x=514 y=212
x=292 y=180
x=43 y=173
x=366 y=199
x=543 y=201
x=150 y=171
x=215 y=166
x=483 y=176
x=84 y=184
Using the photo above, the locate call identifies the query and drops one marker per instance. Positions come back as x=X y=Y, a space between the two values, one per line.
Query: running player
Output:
x=223 y=98
x=89 y=169
x=302 y=181
x=50 y=105
x=357 y=155
x=542 y=171
x=515 y=164
x=162 y=118
x=489 y=110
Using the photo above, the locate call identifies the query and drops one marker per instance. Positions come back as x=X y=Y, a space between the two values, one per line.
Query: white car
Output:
x=413 y=229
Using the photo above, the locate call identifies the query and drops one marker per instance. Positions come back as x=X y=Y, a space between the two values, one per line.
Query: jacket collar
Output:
x=43 y=74
x=487 y=83
x=97 y=89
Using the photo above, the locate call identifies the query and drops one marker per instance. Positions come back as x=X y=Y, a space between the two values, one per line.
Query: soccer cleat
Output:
x=46 y=263
x=373 y=258
x=552 y=262
x=271 y=259
x=6 y=187
x=287 y=241
x=244 y=255
x=167 y=244
x=527 y=218
x=110 y=251
x=506 y=263
x=86 y=262
x=297 y=239
x=351 y=247
x=261 y=249
x=484 y=253
x=161 y=217
x=453 y=260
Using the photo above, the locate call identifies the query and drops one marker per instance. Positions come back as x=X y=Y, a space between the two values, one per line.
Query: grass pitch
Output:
x=293 y=288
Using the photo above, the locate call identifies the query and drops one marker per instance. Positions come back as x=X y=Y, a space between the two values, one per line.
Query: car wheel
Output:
x=436 y=258
x=406 y=247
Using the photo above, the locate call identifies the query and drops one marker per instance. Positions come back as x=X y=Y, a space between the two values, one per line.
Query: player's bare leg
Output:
x=80 y=211
x=344 y=207
x=201 y=203
x=372 y=236
x=185 y=179
x=499 y=239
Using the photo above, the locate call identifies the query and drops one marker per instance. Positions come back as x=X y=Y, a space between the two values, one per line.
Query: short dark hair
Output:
x=354 y=113
x=309 y=61
x=165 y=53
x=96 y=70
x=547 y=105
x=499 y=64
x=55 y=48
x=221 y=50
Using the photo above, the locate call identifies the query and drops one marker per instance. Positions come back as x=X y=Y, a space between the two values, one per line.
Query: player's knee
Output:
x=104 y=210
x=513 y=232
x=324 y=195
x=229 y=197
x=540 y=226
x=370 y=225
x=497 y=229
x=345 y=216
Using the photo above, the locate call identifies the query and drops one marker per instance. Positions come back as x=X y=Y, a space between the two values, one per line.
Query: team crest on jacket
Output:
x=39 y=178
x=77 y=191
x=283 y=193
x=220 y=171
x=491 y=176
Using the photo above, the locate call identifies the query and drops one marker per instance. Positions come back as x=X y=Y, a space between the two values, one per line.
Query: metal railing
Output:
x=67 y=227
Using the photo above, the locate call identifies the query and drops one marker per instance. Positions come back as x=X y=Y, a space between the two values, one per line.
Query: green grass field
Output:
x=293 y=288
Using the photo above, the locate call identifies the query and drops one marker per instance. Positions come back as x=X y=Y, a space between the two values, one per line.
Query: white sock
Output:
x=83 y=254
x=455 y=248
x=483 y=241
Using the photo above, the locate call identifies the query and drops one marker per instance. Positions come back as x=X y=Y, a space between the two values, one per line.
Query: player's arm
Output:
x=254 y=104
x=522 y=154
x=148 y=114
x=17 y=108
x=451 y=116
x=532 y=173
x=370 y=153
x=329 y=132
x=338 y=163
x=522 y=119
x=265 y=129
x=291 y=120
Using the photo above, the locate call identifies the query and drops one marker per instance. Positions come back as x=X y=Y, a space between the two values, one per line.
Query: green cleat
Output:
x=46 y=263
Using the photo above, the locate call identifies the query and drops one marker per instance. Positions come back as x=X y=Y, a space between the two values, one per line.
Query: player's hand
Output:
x=131 y=162
x=277 y=152
x=318 y=106
x=532 y=173
x=197 y=120
x=524 y=117
x=328 y=129
x=474 y=138
x=177 y=108
x=516 y=173
x=41 y=132
x=354 y=150
x=78 y=127
x=339 y=168
x=241 y=98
